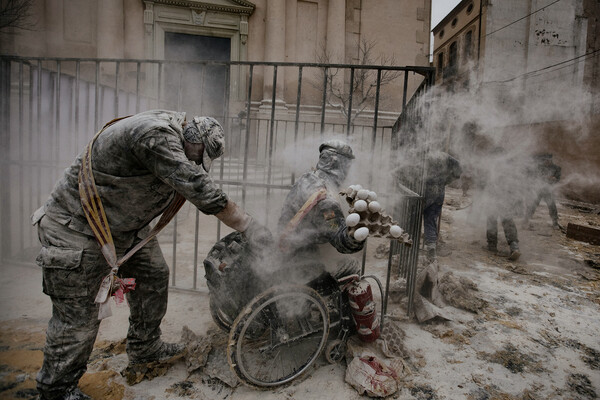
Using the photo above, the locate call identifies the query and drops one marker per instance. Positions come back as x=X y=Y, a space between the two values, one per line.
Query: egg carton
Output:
x=366 y=217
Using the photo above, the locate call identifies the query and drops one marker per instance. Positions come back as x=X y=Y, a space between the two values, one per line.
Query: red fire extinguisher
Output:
x=364 y=311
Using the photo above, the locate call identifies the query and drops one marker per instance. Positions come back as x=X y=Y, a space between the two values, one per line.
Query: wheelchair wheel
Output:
x=220 y=318
x=278 y=336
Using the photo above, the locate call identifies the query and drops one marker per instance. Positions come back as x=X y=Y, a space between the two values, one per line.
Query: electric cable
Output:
x=520 y=19
x=564 y=66
x=548 y=67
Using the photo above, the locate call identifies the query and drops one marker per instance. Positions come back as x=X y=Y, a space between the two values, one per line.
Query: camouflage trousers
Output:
x=73 y=268
x=509 y=227
x=545 y=194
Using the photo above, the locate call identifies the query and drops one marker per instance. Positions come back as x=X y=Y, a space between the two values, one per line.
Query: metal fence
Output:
x=51 y=107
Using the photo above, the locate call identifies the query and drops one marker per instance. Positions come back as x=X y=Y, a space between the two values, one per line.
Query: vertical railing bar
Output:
x=351 y=93
x=57 y=121
x=247 y=143
x=375 y=118
x=407 y=254
x=39 y=130
x=137 y=87
x=30 y=170
x=404 y=90
x=297 y=118
x=179 y=101
x=96 y=97
x=376 y=111
x=271 y=137
x=414 y=260
x=227 y=125
x=21 y=112
x=174 y=265
x=5 y=195
x=77 y=77
x=202 y=84
x=21 y=157
x=404 y=113
x=387 y=280
x=30 y=119
x=116 y=105
x=179 y=91
x=159 y=86
x=196 y=238
x=324 y=100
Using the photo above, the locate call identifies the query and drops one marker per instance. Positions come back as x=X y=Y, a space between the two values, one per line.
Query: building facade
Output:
x=528 y=75
x=294 y=31
x=530 y=42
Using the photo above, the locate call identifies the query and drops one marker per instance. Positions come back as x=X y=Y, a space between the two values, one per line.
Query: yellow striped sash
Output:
x=96 y=217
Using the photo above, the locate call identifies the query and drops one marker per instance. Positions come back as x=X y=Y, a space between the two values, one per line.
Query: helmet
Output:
x=206 y=130
x=337 y=146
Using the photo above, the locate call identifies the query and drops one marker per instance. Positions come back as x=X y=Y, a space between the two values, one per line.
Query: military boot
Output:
x=556 y=225
x=165 y=352
x=430 y=249
x=514 y=251
x=492 y=248
x=73 y=393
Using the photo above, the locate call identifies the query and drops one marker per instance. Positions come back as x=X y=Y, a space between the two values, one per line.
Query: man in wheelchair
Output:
x=283 y=303
x=312 y=226
x=313 y=240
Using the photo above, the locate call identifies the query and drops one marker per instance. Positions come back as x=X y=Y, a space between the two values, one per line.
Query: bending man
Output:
x=139 y=164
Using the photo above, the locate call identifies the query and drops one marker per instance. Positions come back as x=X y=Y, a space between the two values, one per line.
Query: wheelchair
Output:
x=276 y=331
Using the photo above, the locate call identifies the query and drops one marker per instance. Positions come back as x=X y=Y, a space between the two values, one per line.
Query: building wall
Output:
x=535 y=83
x=455 y=29
x=591 y=74
x=275 y=30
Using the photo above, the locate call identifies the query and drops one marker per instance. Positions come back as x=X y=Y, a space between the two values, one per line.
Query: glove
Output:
x=258 y=235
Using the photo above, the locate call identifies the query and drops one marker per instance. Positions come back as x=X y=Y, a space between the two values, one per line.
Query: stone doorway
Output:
x=197 y=88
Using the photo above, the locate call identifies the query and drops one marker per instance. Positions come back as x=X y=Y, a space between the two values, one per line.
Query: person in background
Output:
x=501 y=181
x=545 y=174
x=441 y=170
x=140 y=166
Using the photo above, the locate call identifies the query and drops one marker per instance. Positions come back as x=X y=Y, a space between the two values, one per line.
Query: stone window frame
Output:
x=468 y=45
x=200 y=18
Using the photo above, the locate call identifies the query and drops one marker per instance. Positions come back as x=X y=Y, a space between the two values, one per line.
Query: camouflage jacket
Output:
x=325 y=223
x=442 y=169
x=138 y=164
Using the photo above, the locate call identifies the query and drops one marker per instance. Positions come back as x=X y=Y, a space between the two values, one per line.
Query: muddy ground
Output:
x=530 y=330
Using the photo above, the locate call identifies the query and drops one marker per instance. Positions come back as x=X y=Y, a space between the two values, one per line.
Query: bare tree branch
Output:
x=363 y=88
x=16 y=14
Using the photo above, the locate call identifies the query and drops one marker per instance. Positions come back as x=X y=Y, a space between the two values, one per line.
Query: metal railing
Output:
x=51 y=107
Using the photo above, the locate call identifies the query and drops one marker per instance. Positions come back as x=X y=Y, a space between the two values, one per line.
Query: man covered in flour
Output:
x=134 y=170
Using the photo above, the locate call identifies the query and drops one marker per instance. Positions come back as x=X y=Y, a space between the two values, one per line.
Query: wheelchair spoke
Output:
x=295 y=323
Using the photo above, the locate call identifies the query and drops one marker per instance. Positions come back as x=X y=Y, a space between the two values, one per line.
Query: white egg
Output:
x=396 y=231
x=374 y=206
x=372 y=196
x=362 y=194
x=352 y=219
x=358 y=187
x=360 y=205
x=361 y=233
